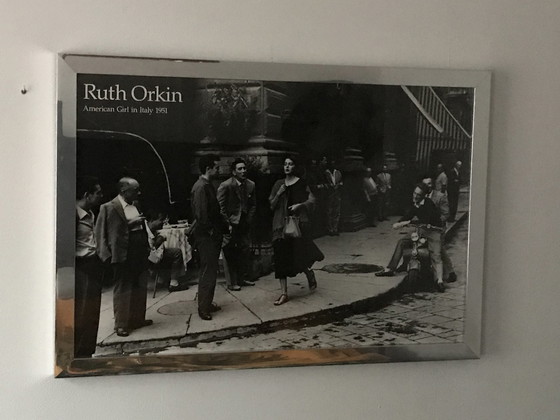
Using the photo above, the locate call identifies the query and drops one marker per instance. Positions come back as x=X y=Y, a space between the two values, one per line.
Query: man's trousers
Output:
x=333 y=211
x=209 y=247
x=87 y=301
x=237 y=254
x=130 y=291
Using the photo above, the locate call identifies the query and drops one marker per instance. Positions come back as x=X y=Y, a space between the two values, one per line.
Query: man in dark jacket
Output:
x=237 y=200
x=207 y=234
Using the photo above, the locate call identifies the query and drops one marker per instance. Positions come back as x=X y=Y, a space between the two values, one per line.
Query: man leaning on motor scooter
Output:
x=427 y=214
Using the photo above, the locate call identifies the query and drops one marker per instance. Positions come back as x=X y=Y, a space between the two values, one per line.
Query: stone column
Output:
x=244 y=119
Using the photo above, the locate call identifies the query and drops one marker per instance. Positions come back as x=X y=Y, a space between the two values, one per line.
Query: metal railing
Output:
x=436 y=127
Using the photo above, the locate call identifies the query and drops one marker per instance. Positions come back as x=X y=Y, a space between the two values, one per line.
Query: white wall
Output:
x=518 y=376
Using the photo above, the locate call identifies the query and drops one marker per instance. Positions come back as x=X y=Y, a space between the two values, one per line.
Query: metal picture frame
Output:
x=248 y=109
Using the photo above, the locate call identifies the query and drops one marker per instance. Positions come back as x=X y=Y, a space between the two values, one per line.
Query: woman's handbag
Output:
x=291 y=227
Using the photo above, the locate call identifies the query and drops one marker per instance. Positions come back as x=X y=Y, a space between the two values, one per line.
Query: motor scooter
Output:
x=420 y=274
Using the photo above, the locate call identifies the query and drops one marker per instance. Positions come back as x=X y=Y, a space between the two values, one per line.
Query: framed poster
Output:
x=219 y=215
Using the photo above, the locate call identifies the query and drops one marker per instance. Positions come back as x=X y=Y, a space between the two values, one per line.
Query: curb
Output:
x=338 y=313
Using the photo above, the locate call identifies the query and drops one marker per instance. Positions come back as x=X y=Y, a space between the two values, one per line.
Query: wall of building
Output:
x=519 y=372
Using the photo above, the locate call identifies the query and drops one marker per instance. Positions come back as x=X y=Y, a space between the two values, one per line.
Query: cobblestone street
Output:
x=413 y=318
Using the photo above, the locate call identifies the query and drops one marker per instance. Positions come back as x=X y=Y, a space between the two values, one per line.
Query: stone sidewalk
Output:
x=251 y=310
x=412 y=318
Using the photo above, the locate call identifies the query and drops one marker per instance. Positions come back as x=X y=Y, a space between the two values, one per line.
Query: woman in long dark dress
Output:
x=292 y=196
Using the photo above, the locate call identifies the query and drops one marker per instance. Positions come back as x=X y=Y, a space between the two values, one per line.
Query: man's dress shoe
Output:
x=246 y=283
x=122 y=332
x=385 y=273
x=177 y=288
x=206 y=316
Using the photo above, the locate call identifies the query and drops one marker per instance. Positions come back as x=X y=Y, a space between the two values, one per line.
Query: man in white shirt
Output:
x=87 y=292
x=370 y=193
x=122 y=241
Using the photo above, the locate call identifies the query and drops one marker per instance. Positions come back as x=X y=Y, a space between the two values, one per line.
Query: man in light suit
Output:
x=440 y=200
x=441 y=179
x=237 y=200
x=122 y=241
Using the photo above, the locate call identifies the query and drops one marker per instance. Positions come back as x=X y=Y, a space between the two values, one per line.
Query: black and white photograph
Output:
x=219 y=220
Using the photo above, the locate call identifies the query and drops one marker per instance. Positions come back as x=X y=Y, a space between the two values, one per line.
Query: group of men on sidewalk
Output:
x=378 y=190
x=121 y=238
x=326 y=182
x=222 y=221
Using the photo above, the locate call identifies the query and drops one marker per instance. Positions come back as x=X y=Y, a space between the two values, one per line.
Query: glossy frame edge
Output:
x=69 y=65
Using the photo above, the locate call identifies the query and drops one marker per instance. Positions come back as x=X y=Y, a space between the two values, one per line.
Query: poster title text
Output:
x=138 y=93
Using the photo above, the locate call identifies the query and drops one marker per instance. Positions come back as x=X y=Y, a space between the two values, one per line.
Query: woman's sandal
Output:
x=311 y=280
x=281 y=300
